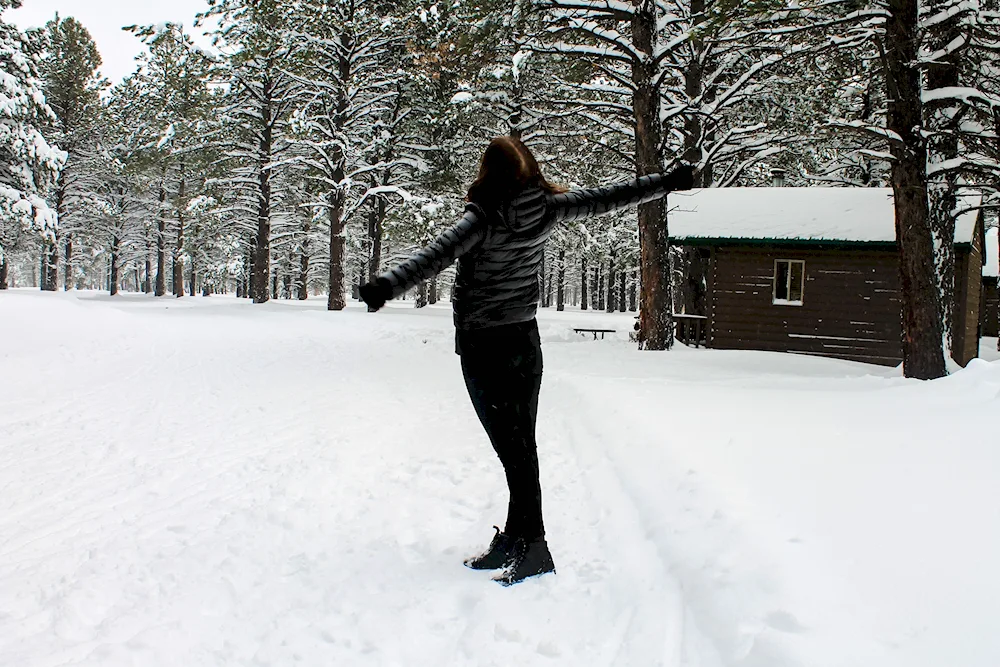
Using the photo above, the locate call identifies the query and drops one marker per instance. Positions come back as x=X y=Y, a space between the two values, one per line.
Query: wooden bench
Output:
x=688 y=329
x=595 y=332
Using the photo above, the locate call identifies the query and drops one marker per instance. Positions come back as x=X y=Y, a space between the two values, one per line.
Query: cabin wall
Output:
x=991 y=307
x=850 y=307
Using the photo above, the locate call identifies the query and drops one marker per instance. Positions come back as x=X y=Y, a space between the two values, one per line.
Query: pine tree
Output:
x=348 y=50
x=178 y=113
x=263 y=93
x=29 y=165
x=72 y=89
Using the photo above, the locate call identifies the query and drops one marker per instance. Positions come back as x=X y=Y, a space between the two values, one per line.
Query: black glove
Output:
x=681 y=178
x=376 y=294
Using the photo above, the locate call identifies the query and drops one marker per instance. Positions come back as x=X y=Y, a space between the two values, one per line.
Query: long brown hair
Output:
x=507 y=168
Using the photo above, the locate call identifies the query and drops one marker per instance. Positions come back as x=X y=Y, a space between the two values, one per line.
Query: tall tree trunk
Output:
x=68 y=264
x=303 y=282
x=3 y=272
x=194 y=278
x=584 y=293
x=335 y=299
x=47 y=272
x=375 y=218
x=274 y=284
x=600 y=285
x=432 y=291
x=51 y=278
x=632 y=290
x=113 y=269
x=262 y=247
x=622 y=305
x=561 y=293
x=54 y=266
x=611 y=282
x=944 y=117
x=595 y=289
x=287 y=286
x=656 y=316
x=421 y=299
x=161 y=232
x=923 y=354
x=550 y=296
x=146 y=283
x=248 y=272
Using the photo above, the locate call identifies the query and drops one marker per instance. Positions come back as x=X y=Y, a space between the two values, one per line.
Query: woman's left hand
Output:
x=375 y=294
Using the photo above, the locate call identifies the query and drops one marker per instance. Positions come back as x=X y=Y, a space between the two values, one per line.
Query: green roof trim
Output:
x=799 y=243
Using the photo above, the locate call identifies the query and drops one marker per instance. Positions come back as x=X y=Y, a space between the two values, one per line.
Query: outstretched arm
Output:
x=579 y=204
x=430 y=261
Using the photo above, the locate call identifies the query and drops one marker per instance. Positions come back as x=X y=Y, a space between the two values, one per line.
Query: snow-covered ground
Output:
x=206 y=482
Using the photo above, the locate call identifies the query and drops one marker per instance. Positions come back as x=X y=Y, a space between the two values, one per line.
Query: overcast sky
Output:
x=105 y=18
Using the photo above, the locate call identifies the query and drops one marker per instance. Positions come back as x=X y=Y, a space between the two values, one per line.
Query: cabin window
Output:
x=789 y=280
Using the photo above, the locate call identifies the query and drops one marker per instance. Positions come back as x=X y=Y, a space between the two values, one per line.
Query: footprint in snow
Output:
x=784 y=622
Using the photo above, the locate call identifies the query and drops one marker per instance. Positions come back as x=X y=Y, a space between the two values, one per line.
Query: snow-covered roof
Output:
x=822 y=214
x=992 y=267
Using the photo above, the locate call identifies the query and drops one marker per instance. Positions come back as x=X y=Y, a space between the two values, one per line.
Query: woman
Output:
x=499 y=242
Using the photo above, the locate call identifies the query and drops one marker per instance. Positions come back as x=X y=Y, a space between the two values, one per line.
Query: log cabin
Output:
x=814 y=270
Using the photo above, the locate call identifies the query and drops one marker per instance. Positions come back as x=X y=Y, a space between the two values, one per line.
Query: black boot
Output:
x=529 y=559
x=498 y=555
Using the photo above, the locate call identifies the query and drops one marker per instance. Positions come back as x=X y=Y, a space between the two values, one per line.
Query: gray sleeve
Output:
x=580 y=204
x=439 y=253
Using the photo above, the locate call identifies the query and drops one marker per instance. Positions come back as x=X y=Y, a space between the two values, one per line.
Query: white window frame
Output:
x=788 y=286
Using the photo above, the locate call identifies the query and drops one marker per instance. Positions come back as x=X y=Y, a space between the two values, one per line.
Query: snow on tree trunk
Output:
x=421 y=300
x=49 y=279
x=943 y=118
x=622 y=305
x=923 y=355
x=583 y=283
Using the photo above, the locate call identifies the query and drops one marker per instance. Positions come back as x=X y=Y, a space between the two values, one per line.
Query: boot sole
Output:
x=506 y=583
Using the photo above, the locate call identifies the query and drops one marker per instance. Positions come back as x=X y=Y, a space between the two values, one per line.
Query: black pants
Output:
x=503 y=373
